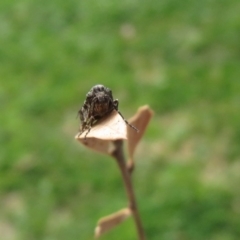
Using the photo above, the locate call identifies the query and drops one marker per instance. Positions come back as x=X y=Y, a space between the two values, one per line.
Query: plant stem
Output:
x=119 y=156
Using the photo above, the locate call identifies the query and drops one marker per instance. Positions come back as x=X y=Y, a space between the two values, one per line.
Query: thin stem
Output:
x=119 y=156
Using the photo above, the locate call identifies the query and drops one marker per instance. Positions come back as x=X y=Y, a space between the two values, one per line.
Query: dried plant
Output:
x=107 y=136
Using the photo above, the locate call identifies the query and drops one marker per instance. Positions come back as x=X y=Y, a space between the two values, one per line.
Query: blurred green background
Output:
x=180 y=57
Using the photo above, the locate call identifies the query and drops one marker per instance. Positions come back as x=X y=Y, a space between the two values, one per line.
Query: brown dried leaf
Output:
x=107 y=223
x=113 y=127
x=108 y=129
x=139 y=120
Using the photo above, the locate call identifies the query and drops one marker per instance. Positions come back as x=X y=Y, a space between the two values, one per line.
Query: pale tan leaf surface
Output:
x=140 y=120
x=106 y=130
x=112 y=128
x=107 y=223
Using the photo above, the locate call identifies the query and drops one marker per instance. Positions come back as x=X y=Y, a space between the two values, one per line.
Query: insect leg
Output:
x=81 y=130
x=89 y=125
x=115 y=104
x=89 y=128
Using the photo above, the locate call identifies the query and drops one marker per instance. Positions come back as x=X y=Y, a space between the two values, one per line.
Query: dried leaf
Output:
x=107 y=223
x=112 y=128
x=139 y=120
x=106 y=130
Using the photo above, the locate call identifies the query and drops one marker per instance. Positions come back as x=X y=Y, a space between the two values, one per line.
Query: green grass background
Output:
x=180 y=57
